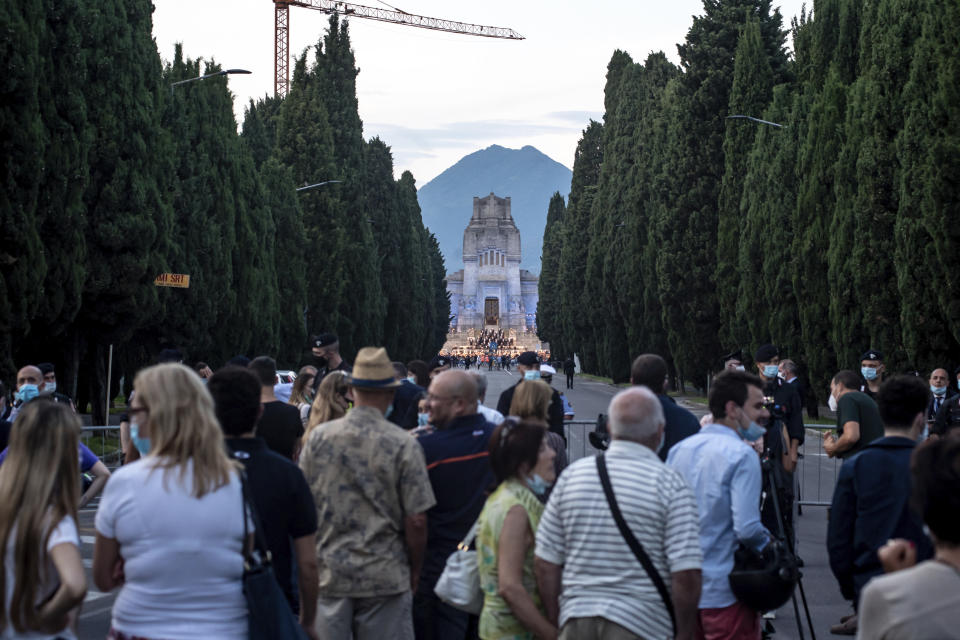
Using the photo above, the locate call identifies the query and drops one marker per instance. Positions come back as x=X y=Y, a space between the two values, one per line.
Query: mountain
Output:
x=526 y=175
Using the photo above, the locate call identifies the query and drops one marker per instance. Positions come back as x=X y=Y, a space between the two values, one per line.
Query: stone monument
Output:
x=492 y=291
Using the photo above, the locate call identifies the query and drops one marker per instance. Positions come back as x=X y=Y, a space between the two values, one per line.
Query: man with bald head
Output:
x=29 y=385
x=581 y=553
x=456 y=455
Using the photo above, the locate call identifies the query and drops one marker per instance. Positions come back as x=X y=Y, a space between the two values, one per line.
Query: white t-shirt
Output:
x=183 y=559
x=65 y=532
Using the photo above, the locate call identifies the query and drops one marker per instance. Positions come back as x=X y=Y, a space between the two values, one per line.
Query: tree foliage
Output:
x=827 y=236
x=112 y=176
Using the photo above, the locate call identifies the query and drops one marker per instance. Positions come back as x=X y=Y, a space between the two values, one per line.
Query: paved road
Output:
x=590 y=398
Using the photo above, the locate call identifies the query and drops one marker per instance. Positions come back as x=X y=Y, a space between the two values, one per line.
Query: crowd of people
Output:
x=364 y=478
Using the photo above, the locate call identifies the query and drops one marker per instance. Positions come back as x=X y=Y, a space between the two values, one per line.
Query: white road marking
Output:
x=88 y=539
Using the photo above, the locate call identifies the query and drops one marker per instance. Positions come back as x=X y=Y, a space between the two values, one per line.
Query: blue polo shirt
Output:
x=458 y=463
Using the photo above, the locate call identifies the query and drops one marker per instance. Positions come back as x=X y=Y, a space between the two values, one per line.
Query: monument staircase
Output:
x=460 y=341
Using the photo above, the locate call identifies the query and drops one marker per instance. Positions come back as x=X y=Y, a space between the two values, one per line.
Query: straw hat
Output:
x=372 y=370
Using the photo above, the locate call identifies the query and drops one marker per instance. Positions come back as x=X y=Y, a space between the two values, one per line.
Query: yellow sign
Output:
x=179 y=280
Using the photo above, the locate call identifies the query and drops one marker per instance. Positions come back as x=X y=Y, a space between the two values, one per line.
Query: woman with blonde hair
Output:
x=301 y=395
x=170 y=525
x=44 y=581
x=330 y=403
x=531 y=401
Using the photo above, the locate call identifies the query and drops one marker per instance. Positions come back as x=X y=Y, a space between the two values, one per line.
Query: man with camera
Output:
x=781 y=441
x=724 y=473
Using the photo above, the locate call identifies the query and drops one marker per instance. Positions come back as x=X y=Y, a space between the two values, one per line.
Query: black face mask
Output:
x=320 y=362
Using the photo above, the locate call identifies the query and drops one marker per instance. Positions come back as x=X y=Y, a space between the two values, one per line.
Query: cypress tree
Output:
x=382 y=204
x=749 y=95
x=22 y=137
x=928 y=149
x=548 y=301
x=688 y=268
x=363 y=308
x=610 y=215
x=204 y=198
x=289 y=258
x=573 y=254
x=766 y=304
x=128 y=219
x=637 y=277
x=305 y=146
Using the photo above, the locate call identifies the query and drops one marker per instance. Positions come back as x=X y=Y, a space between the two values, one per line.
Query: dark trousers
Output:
x=433 y=619
x=569 y=381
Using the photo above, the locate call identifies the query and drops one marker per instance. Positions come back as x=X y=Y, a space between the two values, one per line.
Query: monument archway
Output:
x=491 y=311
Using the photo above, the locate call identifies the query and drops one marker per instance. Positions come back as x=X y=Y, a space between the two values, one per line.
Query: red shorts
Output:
x=736 y=622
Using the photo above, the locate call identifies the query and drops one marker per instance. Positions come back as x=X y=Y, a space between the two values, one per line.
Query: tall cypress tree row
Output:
x=128 y=219
x=548 y=300
x=609 y=218
x=749 y=95
x=362 y=309
x=22 y=265
x=688 y=270
x=928 y=148
x=63 y=179
x=305 y=145
x=573 y=254
x=289 y=257
x=394 y=258
x=766 y=305
x=637 y=279
x=205 y=203
x=874 y=116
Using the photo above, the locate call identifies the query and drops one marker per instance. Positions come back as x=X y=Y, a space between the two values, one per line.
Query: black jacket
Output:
x=871 y=504
x=554 y=415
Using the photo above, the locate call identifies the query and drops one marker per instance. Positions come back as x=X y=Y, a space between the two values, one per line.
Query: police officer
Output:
x=872 y=370
x=782 y=439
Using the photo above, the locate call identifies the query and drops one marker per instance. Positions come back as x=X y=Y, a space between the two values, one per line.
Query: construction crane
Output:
x=281 y=46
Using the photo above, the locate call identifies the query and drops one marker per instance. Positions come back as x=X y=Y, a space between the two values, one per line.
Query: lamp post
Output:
x=319 y=184
x=209 y=75
x=757 y=120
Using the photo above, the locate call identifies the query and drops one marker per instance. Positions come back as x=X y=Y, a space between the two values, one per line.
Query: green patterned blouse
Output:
x=497 y=621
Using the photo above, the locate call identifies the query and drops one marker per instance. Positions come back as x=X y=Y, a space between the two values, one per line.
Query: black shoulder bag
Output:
x=268 y=612
x=632 y=541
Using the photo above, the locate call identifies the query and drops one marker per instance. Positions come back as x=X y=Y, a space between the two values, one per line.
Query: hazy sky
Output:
x=435 y=97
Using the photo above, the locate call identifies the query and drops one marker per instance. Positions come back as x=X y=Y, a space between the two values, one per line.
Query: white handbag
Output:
x=459 y=584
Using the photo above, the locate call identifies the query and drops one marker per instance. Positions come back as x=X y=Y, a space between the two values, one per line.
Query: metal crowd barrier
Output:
x=816 y=473
x=578 y=446
x=815 y=476
x=104 y=441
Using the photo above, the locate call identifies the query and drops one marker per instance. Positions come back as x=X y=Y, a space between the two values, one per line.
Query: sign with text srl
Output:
x=179 y=280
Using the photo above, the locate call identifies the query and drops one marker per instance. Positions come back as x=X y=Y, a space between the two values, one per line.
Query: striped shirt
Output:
x=601 y=576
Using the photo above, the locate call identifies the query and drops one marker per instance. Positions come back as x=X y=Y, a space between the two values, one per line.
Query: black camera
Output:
x=777 y=412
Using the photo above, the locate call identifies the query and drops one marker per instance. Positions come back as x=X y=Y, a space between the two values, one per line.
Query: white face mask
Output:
x=832 y=403
x=49 y=388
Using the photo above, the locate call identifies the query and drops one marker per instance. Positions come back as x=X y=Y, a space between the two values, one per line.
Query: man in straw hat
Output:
x=370 y=484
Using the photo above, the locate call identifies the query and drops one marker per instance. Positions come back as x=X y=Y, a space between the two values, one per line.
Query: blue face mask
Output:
x=938 y=391
x=537 y=484
x=388 y=412
x=771 y=371
x=26 y=393
x=531 y=375
x=663 y=438
x=142 y=444
x=752 y=433
x=869 y=373
x=412 y=379
x=423 y=419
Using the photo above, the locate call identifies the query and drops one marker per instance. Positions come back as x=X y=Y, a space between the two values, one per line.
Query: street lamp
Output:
x=210 y=75
x=319 y=184
x=752 y=119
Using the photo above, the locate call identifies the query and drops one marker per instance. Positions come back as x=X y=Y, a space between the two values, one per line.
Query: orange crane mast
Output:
x=281 y=45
